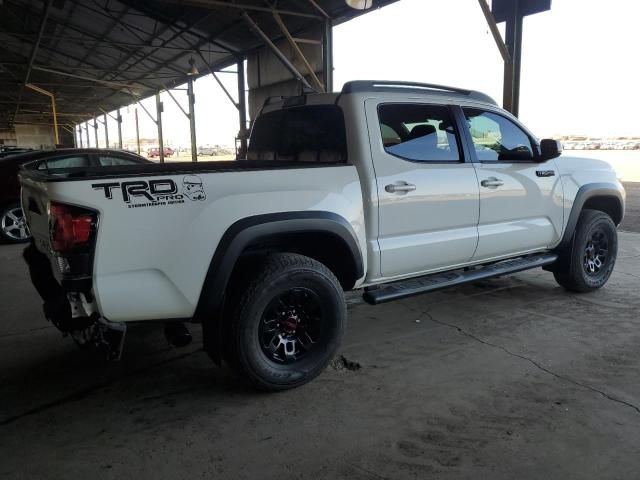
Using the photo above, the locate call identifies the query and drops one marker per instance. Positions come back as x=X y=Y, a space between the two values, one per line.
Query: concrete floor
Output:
x=631 y=222
x=503 y=379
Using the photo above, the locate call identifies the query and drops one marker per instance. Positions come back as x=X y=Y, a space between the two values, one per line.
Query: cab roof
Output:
x=431 y=89
x=364 y=87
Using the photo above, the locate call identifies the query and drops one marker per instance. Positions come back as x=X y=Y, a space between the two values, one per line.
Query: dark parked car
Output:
x=13 y=228
x=6 y=151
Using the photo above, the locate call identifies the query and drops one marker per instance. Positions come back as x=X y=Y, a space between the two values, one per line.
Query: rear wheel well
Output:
x=607 y=204
x=325 y=247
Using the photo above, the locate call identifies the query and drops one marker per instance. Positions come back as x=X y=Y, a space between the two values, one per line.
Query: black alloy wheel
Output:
x=595 y=252
x=589 y=262
x=287 y=318
x=291 y=325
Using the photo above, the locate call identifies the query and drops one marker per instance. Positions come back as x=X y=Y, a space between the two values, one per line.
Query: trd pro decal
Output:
x=153 y=193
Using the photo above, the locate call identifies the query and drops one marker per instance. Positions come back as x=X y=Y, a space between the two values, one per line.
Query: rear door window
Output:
x=419 y=132
x=312 y=133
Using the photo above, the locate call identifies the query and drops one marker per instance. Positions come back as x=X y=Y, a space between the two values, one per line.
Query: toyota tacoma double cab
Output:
x=390 y=188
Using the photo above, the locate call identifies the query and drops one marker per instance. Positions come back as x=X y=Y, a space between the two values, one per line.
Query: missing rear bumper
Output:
x=74 y=313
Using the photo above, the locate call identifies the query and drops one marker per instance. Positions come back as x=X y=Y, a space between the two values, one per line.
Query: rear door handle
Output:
x=492 y=182
x=400 y=187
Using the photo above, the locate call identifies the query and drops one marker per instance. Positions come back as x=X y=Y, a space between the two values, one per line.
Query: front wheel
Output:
x=13 y=225
x=288 y=323
x=592 y=257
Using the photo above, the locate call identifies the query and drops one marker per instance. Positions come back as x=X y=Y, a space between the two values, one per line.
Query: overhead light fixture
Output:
x=359 y=4
x=193 y=70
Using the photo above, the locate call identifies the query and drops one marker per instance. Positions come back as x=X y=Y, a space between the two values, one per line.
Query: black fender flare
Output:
x=240 y=234
x=585 y=193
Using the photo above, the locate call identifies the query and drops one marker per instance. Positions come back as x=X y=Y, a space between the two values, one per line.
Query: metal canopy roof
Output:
x=102 y=54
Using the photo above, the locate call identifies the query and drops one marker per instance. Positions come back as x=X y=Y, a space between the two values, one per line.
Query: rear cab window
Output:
x=73 y=161
x=419 y=132
x=306 y=134
x=113 y=161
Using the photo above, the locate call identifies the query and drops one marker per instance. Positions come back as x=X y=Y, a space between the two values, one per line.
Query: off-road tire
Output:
x=575 y=276
x=276 y=275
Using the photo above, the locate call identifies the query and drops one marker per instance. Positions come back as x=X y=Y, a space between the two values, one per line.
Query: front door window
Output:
x=496 y=138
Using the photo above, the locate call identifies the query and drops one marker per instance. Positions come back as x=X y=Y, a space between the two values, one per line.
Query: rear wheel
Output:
x=13 y=225
x=287 y=323
x=590 y=261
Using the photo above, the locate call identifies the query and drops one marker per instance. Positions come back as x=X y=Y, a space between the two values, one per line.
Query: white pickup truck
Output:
x=389 y=187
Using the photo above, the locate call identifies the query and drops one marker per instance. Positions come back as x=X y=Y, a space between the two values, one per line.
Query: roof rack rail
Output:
x=395 y=86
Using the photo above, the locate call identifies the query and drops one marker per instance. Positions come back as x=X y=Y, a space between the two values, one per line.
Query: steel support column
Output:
x=513 y=36
x=159 y=108
x=106 y=130
x=495 y=31
x=192 y=119
x=86 y=130
x=79 y=132
x=327 y=55
x=512 y=12
x=54 y=111
x=95 y=130
x=119 y=129
x=137 y=130
x=242 y=111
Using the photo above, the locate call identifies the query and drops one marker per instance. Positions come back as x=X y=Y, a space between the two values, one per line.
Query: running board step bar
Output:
x=438 y=281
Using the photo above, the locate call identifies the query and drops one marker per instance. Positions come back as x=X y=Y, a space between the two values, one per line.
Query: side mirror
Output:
x=550 y=149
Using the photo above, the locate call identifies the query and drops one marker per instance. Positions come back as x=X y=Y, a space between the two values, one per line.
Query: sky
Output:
x=580 y=67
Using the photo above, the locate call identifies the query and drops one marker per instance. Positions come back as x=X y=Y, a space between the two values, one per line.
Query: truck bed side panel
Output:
x=153 y=249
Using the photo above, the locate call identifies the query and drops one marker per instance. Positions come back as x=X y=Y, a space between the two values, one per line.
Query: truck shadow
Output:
x=43 y=371
x=56 y=373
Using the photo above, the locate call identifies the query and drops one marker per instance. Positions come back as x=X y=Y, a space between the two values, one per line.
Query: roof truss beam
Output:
x=244 y=7
x=34 y=50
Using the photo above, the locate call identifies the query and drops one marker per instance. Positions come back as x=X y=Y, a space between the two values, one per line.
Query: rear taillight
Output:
x=70 y=227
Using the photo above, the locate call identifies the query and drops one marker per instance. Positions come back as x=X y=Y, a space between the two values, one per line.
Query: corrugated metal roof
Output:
x=97 y=54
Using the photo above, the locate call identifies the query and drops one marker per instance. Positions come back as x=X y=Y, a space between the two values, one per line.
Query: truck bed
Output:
x=159 y=224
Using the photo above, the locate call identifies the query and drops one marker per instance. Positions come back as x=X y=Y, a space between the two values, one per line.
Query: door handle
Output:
x=400 y=187
x=492 y=182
